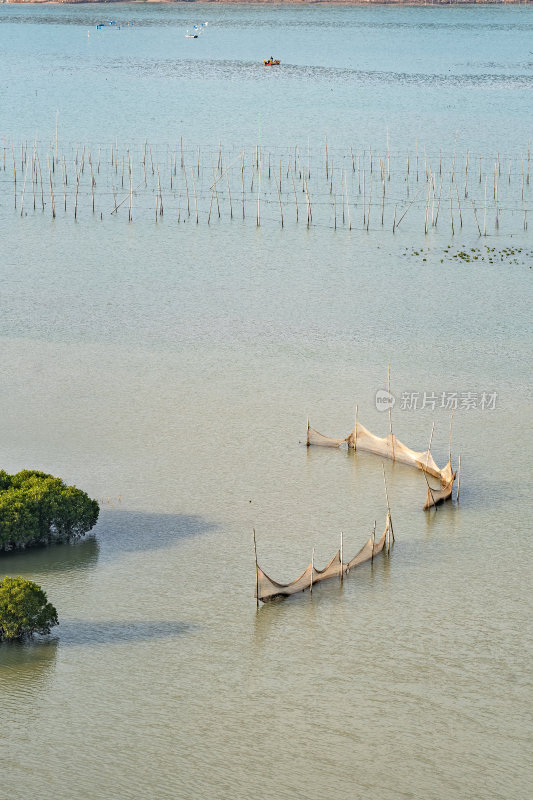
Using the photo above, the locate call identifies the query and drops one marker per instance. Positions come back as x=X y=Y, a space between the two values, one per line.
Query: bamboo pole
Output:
x=342 y=563
x=475 y=216
x=417 y=195
x=280 y=206
x=425 y=470
x=259 y=190
x=242 y=180
x=160 y=193
x=458 y=480
x=15 y=178
x=348 y=206
x=195 y=198
x=34 y=176
x=229 y=196
x=117 y=205
x=41 y=180
x=24 y=189
x=451 y=207
x=450 y=446
x=373 y=542
x=295 y=195
x=459 y=204
x=187 y=189
x=390 y=418
x=51 y=191
x=78 y=172
x=387 y=500
x=256 y=571
x=312 y=570
x=485 y=211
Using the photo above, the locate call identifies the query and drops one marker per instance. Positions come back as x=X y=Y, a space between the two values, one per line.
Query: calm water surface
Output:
x=175 y=365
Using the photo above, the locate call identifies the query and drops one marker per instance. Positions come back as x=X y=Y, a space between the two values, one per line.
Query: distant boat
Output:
x=272 y=62
x=196 y=31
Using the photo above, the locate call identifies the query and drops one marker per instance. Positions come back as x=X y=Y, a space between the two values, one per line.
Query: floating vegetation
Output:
x=490 y=255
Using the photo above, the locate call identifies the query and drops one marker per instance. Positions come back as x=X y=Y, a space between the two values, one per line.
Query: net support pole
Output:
x=355 y=429
x=312 y=570
x=342 y=563
x=256 y=572
x=373 y=542
x=425 y=471
x=391 y=530
x=450 y=447
x=390 y=418
x=307 y=431
x=458 y=479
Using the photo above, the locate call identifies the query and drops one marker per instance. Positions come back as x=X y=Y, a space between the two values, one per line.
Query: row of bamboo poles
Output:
x=353 y=189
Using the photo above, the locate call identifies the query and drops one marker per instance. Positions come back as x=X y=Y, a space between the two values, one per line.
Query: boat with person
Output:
x=272 y=62
x=196 y=31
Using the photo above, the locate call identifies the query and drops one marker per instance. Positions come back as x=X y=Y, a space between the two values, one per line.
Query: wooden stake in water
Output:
x=229 y=195
x=242 y=179
x=390 y=415
x=194 y=190
x=15 y=179
x=280 y=206
x=24 y=188
x=187 y=190
x=485 y=211
x=475 y=216
x=451 y=207
x=256 y=571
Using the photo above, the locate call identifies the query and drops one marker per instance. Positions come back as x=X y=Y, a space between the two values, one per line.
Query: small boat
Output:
x=197 y=31
x=272 y=62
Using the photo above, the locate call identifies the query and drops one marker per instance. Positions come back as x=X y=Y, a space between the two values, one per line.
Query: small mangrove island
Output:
x=40 y=509
x=24 y=609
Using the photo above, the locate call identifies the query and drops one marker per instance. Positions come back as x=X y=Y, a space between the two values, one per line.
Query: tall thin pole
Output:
x=425 y=471
x=458 y=479
x=373 y=541
x=256 y=572
x=342 y=565
x=312 y=569
x=390 y=419
x=387 y=499
x=450 y=448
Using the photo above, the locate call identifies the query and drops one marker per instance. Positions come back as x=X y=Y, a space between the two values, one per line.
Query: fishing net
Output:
x=444 y=492
x=387 y=447
x=268 y=589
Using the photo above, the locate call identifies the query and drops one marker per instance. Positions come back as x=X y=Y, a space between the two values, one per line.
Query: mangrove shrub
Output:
x=24 y=609
x=36 y=509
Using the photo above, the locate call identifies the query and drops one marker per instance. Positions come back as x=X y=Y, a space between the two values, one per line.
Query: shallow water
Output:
x=174 y=366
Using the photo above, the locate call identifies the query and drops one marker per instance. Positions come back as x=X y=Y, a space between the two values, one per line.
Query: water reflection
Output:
x=121 y=531
x=82 y=555
x=26 y=667
x=304 y=605
x=81 y=632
